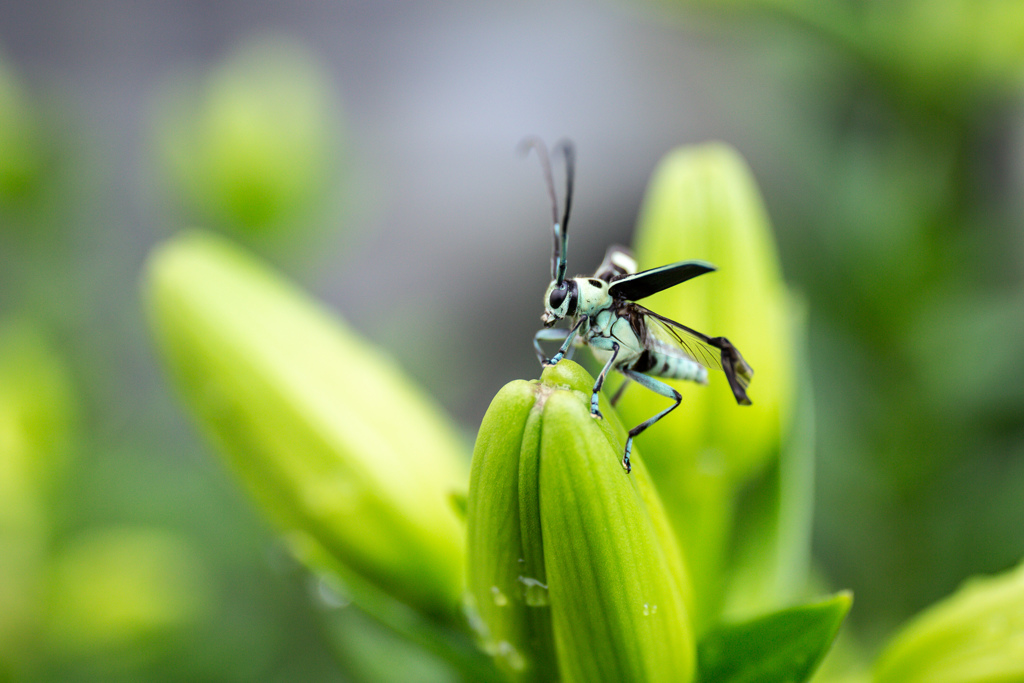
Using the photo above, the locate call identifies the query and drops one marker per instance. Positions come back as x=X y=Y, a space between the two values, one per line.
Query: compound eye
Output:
x=558 y=296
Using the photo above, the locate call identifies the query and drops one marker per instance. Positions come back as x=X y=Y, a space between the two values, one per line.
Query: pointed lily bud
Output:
x=335 y=444
x=975 y=635
x=251 y=145
x=702 y=203
x=22 y=153
x=118 y=589
x=574 y=572
x=37 y=416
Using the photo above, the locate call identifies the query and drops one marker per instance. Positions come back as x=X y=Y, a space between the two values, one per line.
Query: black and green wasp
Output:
x=621 y=333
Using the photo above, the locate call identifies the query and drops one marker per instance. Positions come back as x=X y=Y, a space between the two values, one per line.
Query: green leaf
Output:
x=974 y=636
x=783 y=647
x=346 y=456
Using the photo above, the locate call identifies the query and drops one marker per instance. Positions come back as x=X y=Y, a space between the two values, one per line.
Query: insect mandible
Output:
x=621 y=333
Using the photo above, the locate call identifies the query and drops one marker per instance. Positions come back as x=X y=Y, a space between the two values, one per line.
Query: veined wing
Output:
x=714 y=353
x=690 y=342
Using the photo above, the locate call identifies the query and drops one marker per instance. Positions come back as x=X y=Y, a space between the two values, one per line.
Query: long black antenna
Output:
x=566 y=149
x=538 y=146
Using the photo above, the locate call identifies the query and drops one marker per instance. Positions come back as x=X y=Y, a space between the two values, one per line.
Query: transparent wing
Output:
x=689 y=342
x=714 y=353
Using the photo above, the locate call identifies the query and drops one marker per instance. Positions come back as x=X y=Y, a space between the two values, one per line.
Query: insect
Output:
x=626 y=336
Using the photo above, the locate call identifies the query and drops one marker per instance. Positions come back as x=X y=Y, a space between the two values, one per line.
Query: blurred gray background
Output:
x=447 y=229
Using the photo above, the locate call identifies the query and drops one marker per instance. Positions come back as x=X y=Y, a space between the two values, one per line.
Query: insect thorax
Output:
x=593 y=295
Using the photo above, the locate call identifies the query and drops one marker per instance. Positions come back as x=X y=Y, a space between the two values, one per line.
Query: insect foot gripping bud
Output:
x=341 y=451
x=574 y=573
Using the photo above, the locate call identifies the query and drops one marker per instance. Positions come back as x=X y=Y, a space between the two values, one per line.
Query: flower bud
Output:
x=251 y=145
x=574 y=572
x=336 y=445
x=115 y=589
x=37 y=435
x=22 y=147
x=702 y=203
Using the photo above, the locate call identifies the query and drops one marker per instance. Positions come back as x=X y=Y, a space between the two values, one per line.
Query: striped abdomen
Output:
x=660 y=361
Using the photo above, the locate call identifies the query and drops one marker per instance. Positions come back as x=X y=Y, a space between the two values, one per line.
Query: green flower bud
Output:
x=36 y=438
x=349 y=459
x=702 y=203
x=974 y=636
x=118 y=589
x=22 y=157
x=251 y=145
x=574 y=572
x=37 y=416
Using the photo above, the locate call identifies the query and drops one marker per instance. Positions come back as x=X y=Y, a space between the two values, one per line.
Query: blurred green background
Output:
x=367 y=150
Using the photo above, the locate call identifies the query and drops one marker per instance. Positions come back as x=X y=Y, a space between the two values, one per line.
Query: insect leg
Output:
x=618 y=392
x=553 y=335
x=569 y=339
x=658 y=387
x=547 y=334
x=570 y=350
x=594 y=412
